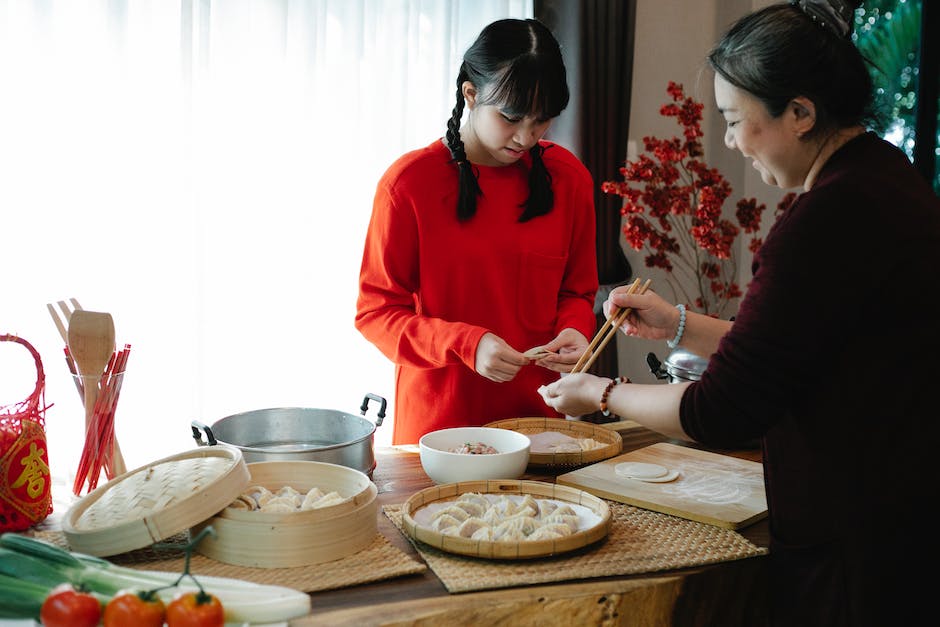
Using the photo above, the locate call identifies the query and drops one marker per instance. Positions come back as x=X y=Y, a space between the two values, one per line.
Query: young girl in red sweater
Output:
x=481 y=246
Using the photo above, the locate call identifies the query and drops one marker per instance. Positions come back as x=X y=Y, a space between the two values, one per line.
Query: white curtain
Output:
x=204 y=171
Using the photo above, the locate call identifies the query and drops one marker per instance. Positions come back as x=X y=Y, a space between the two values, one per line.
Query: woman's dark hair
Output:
x=516 y=65
x=789 y=50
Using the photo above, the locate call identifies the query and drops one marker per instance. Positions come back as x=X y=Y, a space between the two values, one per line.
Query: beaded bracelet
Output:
x=675 y=341
x=606 y=393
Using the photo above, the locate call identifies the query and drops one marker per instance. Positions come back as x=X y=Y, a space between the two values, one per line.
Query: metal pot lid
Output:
x=681 y=363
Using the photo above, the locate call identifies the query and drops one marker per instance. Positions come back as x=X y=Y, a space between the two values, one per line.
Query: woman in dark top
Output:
x=830 y=357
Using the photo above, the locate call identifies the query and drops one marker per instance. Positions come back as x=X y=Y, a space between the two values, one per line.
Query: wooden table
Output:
x=727 y=594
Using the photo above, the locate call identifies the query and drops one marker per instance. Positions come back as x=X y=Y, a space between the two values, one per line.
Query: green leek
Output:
x=30 y=567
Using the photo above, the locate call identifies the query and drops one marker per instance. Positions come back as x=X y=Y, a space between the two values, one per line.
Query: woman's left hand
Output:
x=566 y=349
x=576 y=394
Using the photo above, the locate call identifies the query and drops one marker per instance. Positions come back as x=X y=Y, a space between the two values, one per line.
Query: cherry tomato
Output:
x=195 y=609
x=134 y=609
x=67 y=607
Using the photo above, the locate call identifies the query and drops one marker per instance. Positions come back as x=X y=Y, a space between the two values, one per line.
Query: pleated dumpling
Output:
x=529 y=504
x=474 y=509
x=513 y=535
x=505 y=505
x=565 y=509
x=562 y=529
x=471 y=526
x=327 y=500
x=259 y=494
x=522 y=524
x=279 y=505
x=483 y=533
x=452 y=510
x=571 y=520
x=545 y=533
x=546 y=507
x=445 y=523
x=493 y=516
x=475 y=497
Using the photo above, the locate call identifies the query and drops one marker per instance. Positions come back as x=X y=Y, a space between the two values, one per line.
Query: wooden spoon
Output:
x=91 y=344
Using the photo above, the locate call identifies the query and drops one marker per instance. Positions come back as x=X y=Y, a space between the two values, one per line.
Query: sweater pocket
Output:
x=540 y=277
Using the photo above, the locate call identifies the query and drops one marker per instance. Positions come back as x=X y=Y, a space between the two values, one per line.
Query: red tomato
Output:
x=134 y=609
x=67 y=607
x=195 y=609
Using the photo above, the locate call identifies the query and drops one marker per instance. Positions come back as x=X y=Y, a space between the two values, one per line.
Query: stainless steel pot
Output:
x=680 y=366
x=299 y=434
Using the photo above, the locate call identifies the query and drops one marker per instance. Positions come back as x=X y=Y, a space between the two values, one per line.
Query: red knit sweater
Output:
x=430 y=287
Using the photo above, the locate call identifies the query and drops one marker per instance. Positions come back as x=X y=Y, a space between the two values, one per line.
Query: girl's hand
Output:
x=566 y=349
x=575 y=394
x=498 y=361
x=651 y=318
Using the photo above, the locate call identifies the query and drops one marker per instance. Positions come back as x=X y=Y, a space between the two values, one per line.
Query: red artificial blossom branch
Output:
x=673 y=210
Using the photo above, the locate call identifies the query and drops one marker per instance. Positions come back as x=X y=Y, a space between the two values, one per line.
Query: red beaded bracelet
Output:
x=606 y=393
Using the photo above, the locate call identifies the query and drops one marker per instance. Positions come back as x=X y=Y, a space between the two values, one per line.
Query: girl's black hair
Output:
x=783 y=51
x=516 y=65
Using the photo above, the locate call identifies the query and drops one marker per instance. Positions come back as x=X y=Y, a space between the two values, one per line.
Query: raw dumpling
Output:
x=278 y=505
x=445 y=522
x=546 y=507
x=452 y=510
x=562 y=529
x=565 y=509
x=528 y=501
x=259 y=494
x=474 y=509
x=483 y=533
x=287 y=492
x=522 y=524
x=571 y=520
x=326 y=500
x=512 y=536
x=545 y=533
x=475 y=497
x=471 y=526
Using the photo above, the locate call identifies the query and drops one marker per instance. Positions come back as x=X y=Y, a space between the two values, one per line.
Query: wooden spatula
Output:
x=91 y=344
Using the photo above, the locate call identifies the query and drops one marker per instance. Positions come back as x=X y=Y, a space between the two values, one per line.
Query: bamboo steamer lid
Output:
x=156 y=501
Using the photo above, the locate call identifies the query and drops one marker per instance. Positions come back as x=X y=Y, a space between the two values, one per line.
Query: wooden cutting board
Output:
x=711 y=488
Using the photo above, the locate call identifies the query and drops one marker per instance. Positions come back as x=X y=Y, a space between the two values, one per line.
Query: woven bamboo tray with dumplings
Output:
x=611 y=442
x=281 y=540
x=156 y=501
x=508 y=550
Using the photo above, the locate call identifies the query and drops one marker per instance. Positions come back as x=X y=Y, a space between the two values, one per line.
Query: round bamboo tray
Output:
x=156 y=501
x=611 y=440
x=506 y=550
x=281 y=540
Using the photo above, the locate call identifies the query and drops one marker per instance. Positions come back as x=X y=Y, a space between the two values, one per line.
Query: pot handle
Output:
x=196 y=425
x=656 y=366
x=365 y=407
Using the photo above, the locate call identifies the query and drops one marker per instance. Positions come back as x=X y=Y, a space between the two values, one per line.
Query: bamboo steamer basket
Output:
x=611 y=441
x=281 y=540
x=156 y=501
x=507 y=550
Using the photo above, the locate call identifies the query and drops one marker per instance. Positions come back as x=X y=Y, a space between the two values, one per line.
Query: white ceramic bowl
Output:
x=442 y=466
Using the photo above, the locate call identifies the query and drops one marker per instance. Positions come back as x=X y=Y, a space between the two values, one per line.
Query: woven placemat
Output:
x=379 y=561
x=639 y=541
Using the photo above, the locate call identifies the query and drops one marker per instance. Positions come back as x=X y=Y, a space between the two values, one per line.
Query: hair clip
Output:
x=833 y=15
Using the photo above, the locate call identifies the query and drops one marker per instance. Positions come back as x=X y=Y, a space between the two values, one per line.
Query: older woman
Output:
x=829 y=356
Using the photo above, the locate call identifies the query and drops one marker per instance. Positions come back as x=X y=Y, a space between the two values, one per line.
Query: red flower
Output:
x=673 y=208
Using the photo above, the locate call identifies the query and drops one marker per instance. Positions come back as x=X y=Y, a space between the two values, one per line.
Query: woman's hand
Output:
x=498 y=361
x=567 y=348
x=576 y=394
x=651 y=318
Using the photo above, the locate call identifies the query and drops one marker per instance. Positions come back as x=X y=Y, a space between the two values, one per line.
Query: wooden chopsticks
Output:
x=608 y=331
